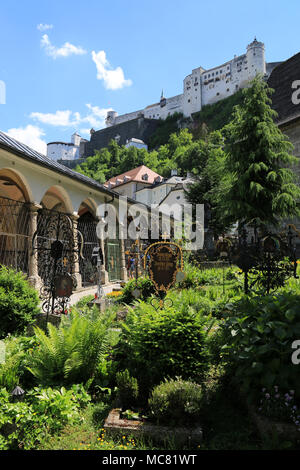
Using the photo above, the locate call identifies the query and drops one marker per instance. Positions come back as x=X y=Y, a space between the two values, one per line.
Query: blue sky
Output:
x=65 y=63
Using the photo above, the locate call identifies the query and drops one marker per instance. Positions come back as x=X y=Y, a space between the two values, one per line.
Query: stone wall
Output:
x=292 y=131
x=140 y=128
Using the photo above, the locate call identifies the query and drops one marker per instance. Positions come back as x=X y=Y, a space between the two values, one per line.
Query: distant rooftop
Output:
x=141 y=174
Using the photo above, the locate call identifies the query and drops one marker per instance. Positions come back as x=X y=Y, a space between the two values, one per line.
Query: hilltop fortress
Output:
x=204 y=87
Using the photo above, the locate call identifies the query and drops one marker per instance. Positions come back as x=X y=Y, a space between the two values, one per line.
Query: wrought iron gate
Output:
x=57 y=251
x=14 y=234
x=113 y=260
x=87 y=228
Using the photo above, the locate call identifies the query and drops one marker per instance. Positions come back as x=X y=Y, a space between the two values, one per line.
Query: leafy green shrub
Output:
x=176 y=402
x=18 y=302
x=45 y=411
x=72 y=352
x=258 y=337
x=128 y=389
x=84 y=301
x=99 y=412
x=164 y=343
x=14 y=370
x=144 y=285
x=196 y=276
x=9 y=376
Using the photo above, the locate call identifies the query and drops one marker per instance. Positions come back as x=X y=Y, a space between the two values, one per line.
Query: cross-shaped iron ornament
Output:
x=136 y=253
x=58 y=250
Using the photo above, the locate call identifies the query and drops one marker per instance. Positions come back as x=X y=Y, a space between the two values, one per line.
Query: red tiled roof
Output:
x=133 y=175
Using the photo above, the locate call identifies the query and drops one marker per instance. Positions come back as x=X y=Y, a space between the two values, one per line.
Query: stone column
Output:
x=123 y=261
x=33 y=275
x=103 y=271
x=76 y=271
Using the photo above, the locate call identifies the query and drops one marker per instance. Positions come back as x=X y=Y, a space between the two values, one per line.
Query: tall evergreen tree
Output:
x=259 y=160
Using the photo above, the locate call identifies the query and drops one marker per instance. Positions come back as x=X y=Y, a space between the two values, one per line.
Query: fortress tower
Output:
x=256 y=57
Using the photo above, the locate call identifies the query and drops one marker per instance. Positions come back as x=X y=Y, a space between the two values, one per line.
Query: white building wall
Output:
x=155 y=194
x=60 y=150
x=144 y=196
x=127 y=189
x=173 y=105
x=139 y=145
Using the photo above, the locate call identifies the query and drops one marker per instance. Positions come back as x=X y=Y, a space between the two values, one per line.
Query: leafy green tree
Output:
x=207 y=160
x=259 y=161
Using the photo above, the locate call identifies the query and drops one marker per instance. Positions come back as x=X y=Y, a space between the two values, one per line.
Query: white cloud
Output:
x=31 y=136
x=44 y=27
x=113 y=79
x=59 y=118
x=95 y=118
x=66 y=50
x=83 y=132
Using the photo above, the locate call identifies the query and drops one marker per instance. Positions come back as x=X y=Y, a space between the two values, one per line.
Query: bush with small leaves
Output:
x=128 y=389
x=158 y=344
x=176 y=402
x=18 y=302
x=144 y=285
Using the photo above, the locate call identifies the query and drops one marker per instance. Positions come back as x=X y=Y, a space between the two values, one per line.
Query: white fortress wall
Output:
x=62 y=151
x=203 y=87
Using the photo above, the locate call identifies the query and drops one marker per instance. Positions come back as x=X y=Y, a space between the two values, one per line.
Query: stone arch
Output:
x=87 y=237
x=88 y=205
x=14 y=185
x=15 y=195
x=57 y=198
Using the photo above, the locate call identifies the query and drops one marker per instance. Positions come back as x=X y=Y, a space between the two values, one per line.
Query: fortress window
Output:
x=227 y=89
x=189 y=101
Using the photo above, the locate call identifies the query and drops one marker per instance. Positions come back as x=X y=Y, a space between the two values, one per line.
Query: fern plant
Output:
x=71 y=352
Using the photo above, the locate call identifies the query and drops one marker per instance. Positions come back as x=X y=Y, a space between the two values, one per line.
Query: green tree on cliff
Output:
x=259 y=161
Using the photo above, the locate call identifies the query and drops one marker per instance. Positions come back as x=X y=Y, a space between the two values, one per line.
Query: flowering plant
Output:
x=279 y=405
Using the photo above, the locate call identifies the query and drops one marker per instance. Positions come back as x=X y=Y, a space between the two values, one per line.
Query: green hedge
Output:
x=156 y=344
x=18 y=302
x=257 y=339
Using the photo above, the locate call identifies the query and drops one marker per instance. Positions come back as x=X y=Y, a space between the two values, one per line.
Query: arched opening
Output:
x=55 y=225
x=113 y=254
x=14 y=220
x=88 y=240
x=57 y=199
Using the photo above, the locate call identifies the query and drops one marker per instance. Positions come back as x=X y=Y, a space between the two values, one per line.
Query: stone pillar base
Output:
x=124 y=276
x=35 y=281
x=104 y=277
x=78 y=280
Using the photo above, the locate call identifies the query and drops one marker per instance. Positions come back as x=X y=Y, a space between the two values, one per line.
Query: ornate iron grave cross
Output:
x=58 y=251
x=135 y=252
x=165 y=266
